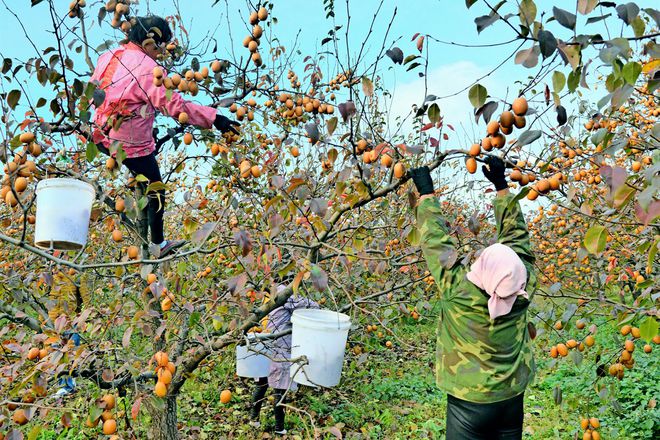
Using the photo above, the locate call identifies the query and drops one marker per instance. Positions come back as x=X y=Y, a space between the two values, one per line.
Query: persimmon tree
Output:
x=313 y=187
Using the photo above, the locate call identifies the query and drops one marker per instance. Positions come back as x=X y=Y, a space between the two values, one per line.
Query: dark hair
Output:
x=151 y=26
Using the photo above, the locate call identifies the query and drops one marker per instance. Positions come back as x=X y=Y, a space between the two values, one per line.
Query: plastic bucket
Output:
x=63 y=209
x=252 y=364
x=321 y=336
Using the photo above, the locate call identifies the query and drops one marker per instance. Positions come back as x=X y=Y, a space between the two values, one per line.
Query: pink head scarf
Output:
x=501 y=273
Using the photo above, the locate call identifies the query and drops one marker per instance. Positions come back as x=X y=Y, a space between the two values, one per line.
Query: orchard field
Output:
x=315 y=189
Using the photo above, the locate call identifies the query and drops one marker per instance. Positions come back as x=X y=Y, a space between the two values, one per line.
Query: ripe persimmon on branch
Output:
x=312 y=188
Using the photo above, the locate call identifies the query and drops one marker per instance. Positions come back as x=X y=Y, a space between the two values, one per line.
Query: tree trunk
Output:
x=163 y=420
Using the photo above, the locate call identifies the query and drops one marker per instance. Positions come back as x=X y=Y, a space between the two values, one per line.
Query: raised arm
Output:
x=511 y=226
x=438 y=247
x=199 y=115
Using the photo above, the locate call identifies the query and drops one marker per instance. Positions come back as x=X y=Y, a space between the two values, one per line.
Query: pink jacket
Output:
x=131 y=92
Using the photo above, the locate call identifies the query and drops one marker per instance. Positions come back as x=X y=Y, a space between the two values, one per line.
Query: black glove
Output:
x=422 y=178
x=494 y=171
x=225 y=124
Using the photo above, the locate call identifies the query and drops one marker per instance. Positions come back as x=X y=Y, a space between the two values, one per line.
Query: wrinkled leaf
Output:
x=627 y=12
x=395 y=54
x=367 y=86
x=528 y=57
x=486 y=111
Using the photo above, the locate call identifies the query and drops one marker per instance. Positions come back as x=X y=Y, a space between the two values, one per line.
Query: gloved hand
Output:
x=494 y=171
x=422 y=178
x=225 y=124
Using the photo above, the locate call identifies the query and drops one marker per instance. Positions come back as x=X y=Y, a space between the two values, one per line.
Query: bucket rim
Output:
x=54 y=182
x=302 y=316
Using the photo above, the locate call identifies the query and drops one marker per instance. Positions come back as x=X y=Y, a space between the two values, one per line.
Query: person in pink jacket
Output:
x=126 y=117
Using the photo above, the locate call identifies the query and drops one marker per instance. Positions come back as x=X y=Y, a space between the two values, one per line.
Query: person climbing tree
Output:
x=484 y=355
x=126 y=117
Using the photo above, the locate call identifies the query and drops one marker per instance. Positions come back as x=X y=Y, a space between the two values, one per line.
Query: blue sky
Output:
x=451 y=68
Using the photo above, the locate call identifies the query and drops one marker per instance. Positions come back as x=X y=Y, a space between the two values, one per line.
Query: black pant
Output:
x=258 y=399
x=485 y=421
x=148 y=167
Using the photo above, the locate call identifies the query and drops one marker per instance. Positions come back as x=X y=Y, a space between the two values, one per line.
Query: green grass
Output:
x=391 y=393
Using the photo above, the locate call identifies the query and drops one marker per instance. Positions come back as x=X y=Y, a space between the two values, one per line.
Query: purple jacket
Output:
x=280 y=320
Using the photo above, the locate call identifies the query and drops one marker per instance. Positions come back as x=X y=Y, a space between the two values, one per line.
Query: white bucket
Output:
x=252 y=364
x=321 y=336
x=63 y=209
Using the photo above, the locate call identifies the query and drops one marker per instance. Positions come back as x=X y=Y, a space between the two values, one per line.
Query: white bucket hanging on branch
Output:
x=320 y=336
x=64 y=206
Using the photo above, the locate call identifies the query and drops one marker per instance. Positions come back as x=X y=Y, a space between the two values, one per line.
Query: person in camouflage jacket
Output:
x=483 y=364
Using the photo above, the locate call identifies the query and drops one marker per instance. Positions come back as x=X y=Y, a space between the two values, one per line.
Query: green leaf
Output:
x=12 y=98
x=595 y=239
x=573 y=80
x=477 y=95
x=331 y=125
x=649 y=328
x=434 y=113
x=558 y=81
x=413 y=236
x=156 y=186
x=410 y=58
x=638 y=26
x=631 y=72
x=92 y=151
x=527 y=12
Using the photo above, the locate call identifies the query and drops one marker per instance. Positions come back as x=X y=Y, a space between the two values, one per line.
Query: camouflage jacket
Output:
x=478 y=359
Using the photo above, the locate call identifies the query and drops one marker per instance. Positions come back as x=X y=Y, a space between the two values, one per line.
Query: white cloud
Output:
x=445 y=80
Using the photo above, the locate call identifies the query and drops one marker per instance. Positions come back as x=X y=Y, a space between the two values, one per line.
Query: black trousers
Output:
x=258 y=399
x=485 y=421
x=148 y=167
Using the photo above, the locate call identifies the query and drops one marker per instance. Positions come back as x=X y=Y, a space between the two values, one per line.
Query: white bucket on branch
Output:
x=251 y=362
x=319 y=335
x=63 y=209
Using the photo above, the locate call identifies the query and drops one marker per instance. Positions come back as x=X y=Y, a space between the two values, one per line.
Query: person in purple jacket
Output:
x=279 y=375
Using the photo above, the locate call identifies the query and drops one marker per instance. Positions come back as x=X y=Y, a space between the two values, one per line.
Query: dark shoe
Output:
x=171 y=247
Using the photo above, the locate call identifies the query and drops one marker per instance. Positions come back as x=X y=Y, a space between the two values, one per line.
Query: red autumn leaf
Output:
x=135 y=409
x=420 y=43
